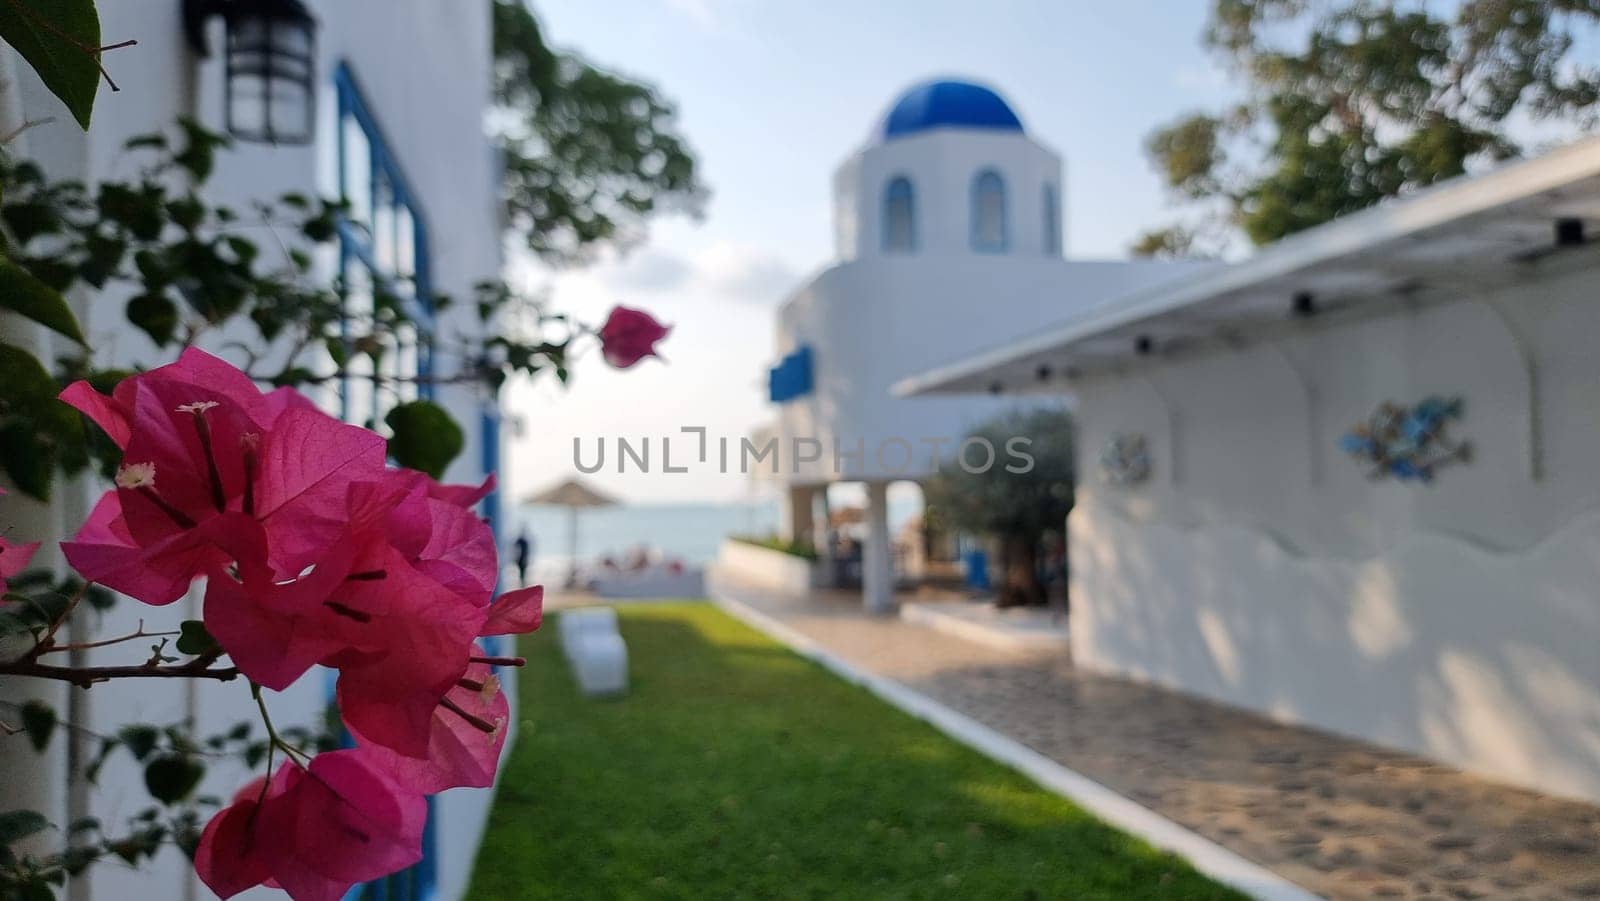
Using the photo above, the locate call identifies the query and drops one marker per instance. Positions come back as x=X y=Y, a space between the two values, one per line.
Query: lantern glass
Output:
x=271 y=73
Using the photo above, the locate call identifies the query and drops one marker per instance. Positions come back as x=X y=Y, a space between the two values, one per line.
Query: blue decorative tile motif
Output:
x=1408 y=443
x=1125 y=460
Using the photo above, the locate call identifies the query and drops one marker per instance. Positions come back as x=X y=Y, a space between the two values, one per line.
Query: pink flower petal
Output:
x=516 y=612
x=231 y=856
x=308 y=461
x=459 y=753
x=106 y=413
x=340 y=821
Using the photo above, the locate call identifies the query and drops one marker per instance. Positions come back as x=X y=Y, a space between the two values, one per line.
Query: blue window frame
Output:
x=899 y=216
x=383 y=252
x=383 y=257
x=989 y=229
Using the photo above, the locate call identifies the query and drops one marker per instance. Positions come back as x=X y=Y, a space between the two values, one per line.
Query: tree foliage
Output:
x=1015 y=507
x=1355 y=101
x=588 y=154
x=192 y=270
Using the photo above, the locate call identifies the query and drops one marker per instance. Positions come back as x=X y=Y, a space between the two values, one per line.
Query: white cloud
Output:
x=745 y=273
x=649 y=270
x=723 y=270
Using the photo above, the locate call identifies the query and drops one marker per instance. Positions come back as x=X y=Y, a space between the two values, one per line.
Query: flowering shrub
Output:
x=314 y=551
x=314 y=548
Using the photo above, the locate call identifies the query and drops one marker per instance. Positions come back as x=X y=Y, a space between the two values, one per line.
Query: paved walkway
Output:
x=1344 y=819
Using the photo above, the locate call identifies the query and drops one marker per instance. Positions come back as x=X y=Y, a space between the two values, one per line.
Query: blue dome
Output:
x=949 y=104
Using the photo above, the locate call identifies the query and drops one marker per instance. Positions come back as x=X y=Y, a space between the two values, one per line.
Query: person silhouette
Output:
x=522 y=553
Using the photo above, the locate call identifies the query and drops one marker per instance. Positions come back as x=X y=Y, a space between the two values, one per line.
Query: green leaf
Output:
x=255 y=753
x=425 y=437
x=83 y=824
x=199 y=153
x=92 y=771
x=39 y=721
x=60 y=39
x=38 y=431
x=171 y=778
x=24 y=294
x=27 y=460
x=337 y=351
x=16 y=825
x=139 y=210
x=154 y=314
x=140 y=739
x=32 y=218
x=193 y=639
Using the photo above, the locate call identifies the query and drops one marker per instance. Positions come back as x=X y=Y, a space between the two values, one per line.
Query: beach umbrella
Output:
x=574 y=495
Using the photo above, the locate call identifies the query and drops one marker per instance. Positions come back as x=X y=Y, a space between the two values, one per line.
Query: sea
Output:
x=687 y=532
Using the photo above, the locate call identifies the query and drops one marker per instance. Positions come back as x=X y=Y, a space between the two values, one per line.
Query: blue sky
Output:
x=773 y=96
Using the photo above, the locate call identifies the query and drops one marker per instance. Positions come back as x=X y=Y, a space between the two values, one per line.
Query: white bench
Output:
x=595 y=650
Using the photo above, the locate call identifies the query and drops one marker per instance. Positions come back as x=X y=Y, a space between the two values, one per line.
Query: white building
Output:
x=948 y=232
x=401 y=89
x=1251 y=559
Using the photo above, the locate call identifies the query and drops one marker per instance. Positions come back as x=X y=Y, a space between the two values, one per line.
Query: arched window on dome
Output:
x=899 y=216
x=1052 y=221
x=989 y=212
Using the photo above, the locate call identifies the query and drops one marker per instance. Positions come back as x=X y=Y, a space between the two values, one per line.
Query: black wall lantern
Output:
x=271 y=66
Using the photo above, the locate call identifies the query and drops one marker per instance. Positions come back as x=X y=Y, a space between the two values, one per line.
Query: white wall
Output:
x=425 y=70
x=941 y=165
x=751 y=564
x=1264 y=569
x=876 y=320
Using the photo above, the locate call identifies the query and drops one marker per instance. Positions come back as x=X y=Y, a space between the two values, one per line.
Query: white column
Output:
x=796 y=521
x=877 y=571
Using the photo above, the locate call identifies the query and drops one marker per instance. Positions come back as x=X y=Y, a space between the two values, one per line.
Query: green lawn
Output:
x=736 y=769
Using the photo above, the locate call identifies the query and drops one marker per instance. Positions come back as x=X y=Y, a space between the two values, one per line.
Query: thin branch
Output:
x=88 y=676
x=48 y=641
x=84 y=646
x=17 y=132
x=273 y=738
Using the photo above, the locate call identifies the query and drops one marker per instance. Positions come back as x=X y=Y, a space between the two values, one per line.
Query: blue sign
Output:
x=791 y=378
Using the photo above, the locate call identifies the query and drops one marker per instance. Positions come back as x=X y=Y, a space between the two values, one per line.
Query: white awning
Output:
x=1470 y=232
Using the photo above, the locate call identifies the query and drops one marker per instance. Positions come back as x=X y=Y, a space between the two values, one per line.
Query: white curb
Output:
x=1205 y=855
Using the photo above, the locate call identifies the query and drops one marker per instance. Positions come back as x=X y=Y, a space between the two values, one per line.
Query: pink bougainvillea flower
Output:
x=424 y=632
x=158 y=571
x=516 y=613
x=466 y=734
x=230 y=858
x=193 y=368
x=14 y=557
x=314 y=832
x=394 y=602
x=200 y=442
x=309 y=460
x=629 y=336
x=464 y=496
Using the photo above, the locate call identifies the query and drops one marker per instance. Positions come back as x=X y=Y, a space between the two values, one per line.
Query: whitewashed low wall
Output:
x=1481 y=659
x=1260 y=566
x=759 y=567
